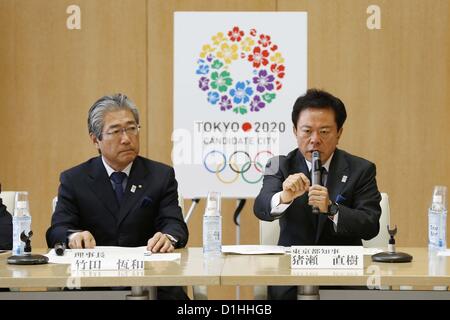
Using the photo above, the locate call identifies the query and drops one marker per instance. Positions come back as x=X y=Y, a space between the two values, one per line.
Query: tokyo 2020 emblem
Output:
x=242 y=96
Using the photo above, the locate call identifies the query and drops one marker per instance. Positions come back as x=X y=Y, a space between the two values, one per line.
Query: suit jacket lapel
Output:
x=335 y=183
x=100 y=185
x=138 y=182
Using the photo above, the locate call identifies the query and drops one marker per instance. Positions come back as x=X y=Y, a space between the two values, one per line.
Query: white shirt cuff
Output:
x=335 y=221
x=277 y=207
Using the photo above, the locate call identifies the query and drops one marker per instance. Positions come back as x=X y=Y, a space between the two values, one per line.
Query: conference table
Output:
x=428 y=275
x=426 y=269
x=191 y=269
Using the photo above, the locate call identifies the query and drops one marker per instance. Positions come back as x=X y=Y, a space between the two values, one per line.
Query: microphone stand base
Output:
x=392 y=257
x=28 y=259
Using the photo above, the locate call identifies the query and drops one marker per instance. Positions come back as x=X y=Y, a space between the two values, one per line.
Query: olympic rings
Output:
x=233 y=164
x=217 y=170
x=255 y=181
x=255 y=162
x=227 y=181
x=234 y=153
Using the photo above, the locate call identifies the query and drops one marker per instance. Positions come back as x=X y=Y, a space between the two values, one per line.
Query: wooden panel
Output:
x=160 y=111
x=394 y=82
x=50 y=78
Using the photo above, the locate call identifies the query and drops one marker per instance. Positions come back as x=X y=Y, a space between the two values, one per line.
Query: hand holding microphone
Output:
x=316 y=175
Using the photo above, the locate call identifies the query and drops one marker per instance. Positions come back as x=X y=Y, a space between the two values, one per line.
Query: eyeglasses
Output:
x=324 y=133
x=117 y=133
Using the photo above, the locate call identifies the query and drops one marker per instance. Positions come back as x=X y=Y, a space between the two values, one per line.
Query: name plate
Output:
x=94 y=259
x=107 y=273
x=327 y=257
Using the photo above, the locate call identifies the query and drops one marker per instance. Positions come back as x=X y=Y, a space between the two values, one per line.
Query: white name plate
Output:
x=327 y=257
x=326 y=272
x=94 y=259
x=108 y=273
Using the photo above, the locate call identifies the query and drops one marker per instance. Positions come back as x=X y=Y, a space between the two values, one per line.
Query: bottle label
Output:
x=437 y=224
x=20 y=224
x=212 y=234
x=211 y=213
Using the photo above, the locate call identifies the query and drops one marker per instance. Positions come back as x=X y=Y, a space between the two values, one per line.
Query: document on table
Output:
x=116 y=251
x=371 y=251
x=444 y=253
x=254 y=249
x=264 y=249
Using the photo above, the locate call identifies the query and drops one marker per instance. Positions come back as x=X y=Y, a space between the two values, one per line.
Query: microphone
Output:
x=316 y=175
x=60 y=247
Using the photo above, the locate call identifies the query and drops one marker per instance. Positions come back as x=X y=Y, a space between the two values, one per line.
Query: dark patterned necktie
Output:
x=324 y=175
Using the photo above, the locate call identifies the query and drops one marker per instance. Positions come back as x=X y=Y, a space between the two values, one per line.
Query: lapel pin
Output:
x=344 y=179
x=133 y=188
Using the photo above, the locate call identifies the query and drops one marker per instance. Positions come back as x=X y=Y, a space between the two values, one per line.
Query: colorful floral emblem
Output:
x=240 y=95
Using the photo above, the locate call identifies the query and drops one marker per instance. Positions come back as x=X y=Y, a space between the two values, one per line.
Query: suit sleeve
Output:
x=170 y=218
x=5 y=228
x=362 y=220
x=66 y=215
x=272 y=183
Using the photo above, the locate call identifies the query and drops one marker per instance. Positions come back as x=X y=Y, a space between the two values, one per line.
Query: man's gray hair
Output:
x=106 y=104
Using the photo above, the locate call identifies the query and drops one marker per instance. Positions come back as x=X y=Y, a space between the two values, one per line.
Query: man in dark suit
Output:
x=348 y=201
x=5 y=226
x=118 y=198
x=5 y=229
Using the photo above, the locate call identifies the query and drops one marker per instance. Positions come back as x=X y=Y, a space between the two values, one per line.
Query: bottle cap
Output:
x=213 y=203
x=21 y=204
x=440 y=196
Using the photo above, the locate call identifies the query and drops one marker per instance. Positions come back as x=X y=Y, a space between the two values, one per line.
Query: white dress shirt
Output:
x=278 y=208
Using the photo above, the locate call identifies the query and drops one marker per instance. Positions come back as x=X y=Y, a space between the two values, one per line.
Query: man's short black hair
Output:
x=319 y=99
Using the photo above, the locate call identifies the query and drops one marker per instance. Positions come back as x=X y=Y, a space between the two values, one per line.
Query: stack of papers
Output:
x=117 y=251
x=371 y=251
x=262 y=249
x=444 y=253
x=254 y=249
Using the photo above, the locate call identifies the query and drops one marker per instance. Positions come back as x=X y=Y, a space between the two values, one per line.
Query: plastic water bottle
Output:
x=437 y=219
x=212 y=226
x=21 y=223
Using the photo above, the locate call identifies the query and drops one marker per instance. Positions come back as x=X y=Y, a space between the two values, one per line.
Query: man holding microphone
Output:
x=341 y=208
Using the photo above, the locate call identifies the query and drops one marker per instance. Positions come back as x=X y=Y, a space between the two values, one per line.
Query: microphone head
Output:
x=316 y=165
x=60 y=247
x=316 y=175
x=315 y=155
